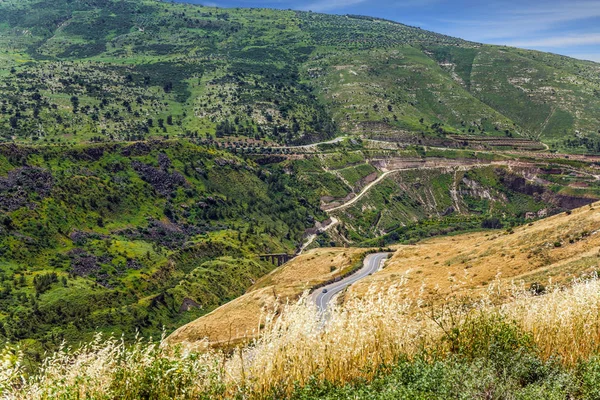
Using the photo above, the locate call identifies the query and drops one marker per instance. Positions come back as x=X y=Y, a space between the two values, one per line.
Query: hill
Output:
x=471 y=338
x=134 y=237
x=554 y=250
x=152 y=152
x=146 y=236
x=101 y=70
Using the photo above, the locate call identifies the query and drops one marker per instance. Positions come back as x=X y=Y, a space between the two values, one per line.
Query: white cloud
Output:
x=558 y=41
x=554 y=25
x=509 y=20
x=330 y=5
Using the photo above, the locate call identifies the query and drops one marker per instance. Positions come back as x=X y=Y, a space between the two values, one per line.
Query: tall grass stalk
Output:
x=360 y=339
x=563 y=322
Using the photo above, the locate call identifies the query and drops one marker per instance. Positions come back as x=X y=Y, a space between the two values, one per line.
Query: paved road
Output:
x=371 y=265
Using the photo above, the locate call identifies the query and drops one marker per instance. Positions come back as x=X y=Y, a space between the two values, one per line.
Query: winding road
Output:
x=362 y=192
x=311 y=238
x=323 y=296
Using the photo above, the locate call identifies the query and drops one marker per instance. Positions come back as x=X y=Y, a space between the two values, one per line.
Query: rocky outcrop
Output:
x=20 y=184
x=163 y=181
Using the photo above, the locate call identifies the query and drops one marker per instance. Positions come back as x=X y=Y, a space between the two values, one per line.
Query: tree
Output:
x=43 y=282
x=75 y=103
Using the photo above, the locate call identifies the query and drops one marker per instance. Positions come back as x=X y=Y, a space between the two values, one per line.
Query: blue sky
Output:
x=565 y=27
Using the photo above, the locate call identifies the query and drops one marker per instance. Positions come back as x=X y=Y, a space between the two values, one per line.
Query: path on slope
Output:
x=366 y=189
x=311 y=238
x=312 y=145
x=324 y=295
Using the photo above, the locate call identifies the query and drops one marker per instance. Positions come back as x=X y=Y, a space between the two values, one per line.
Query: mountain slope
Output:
x=165 y=219
x=555 y=250
x=107 y=70
x=126 y=238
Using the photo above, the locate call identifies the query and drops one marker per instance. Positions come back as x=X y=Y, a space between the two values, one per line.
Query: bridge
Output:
x=278 y=259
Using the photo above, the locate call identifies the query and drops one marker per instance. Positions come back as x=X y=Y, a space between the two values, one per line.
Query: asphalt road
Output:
x=371 y=265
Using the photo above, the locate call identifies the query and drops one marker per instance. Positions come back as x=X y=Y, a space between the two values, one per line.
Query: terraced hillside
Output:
x=97 y=70
x=384 y=196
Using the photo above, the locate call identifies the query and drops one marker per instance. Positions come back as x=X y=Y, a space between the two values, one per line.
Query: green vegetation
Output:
x=502 y=364
x=130 y=70
x=415 y=204
x=146 y=155
x=460 y=350
x=134 y=238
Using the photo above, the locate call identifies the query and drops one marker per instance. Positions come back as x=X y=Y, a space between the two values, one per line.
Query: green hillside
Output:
x=134 y=238
x=145 y=158
x=102 y=70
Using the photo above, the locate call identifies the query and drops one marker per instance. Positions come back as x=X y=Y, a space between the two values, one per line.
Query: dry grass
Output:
x=361 y=337
x=564 y=323
x=529 y=254
x=240 y=319
x=431 y=269
x=356 y=341
x=390 y=316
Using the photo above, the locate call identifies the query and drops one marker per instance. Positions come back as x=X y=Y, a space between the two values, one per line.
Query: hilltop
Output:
x=135 y=69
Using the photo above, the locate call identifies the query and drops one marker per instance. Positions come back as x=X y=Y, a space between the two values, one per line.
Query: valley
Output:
x=200 y=203
x=192 y=242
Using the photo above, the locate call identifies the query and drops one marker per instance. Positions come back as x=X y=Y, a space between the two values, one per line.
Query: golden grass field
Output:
x=241 y=318
x=548 y=251
x=554 y=249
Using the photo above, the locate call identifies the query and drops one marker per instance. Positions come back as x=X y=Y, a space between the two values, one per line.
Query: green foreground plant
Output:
x=376 y=347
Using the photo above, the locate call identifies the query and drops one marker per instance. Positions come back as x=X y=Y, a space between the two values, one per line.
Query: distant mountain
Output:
x=81 y=70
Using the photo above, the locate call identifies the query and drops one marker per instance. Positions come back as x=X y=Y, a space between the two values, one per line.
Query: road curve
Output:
x=363 y=191
x=371 y=265
x=366 y=189
x=311 y=238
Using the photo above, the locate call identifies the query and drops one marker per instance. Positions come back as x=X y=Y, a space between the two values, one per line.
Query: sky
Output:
x=565 y=27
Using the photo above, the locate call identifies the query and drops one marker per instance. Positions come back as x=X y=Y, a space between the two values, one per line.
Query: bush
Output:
x=43 y=282
x=491 y=223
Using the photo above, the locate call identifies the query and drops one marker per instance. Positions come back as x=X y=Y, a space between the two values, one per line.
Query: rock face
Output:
x=83 y=263
x=166 y=234
x=163 y=181
x=188 y=304
x=20 y=184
